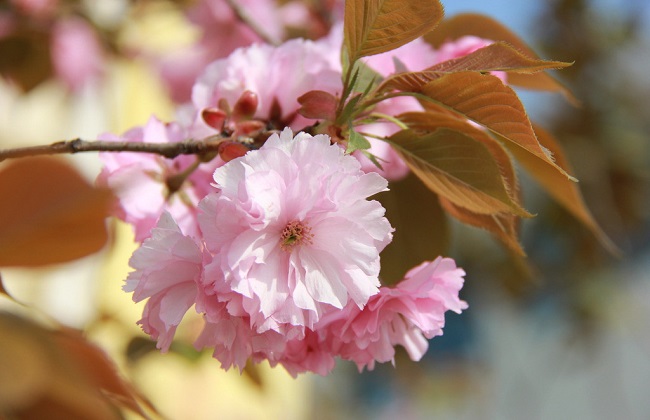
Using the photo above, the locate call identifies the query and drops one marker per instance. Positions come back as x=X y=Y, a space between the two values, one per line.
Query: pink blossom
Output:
x=406 y=315
x=415 y=56
x=292 y=234
x=167 y=266
x=222 y=32
x=139 y=180
x=77 y=55
x=277 y=75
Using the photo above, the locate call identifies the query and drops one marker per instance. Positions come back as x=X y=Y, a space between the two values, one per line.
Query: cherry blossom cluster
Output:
x=286 y=268
x=275 y=240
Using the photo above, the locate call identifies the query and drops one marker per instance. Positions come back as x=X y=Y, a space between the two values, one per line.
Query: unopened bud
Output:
x=249 y=128
x=214 y=117
x=229 y=150
x=246 y=106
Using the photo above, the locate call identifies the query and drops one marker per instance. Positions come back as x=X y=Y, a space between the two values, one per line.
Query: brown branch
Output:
x=168 y=150
x=245 y=18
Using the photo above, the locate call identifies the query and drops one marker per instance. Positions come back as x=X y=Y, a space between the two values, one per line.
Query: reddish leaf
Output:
x=459 y=168
x=376 y=26
x=485 y=27
x=99 y=370
x=495 y=57
x=563 y=190
x=50 y=214
x=505 y=225
x=39 y=380
x=485 y=100
x=318 y=105
x=499 y=56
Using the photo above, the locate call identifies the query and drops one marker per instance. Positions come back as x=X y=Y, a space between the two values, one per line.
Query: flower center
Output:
x=295 y=233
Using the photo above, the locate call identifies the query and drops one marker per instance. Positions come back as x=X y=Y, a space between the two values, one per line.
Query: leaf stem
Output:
x=390 y=118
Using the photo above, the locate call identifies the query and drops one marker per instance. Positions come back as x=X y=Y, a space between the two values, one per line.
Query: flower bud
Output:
x=229 y=150
x=246 y=106
x=214 y=117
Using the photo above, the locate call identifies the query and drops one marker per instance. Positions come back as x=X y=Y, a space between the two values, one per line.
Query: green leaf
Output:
x=458 y=168
x=485 y=100
x=376 y=26
x=356 y=142
x=366 y=78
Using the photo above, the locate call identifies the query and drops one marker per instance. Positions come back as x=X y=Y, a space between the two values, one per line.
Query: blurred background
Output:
x=565 y=335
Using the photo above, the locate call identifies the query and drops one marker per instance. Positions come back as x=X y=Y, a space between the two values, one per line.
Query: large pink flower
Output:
x=292 y=234
x=77 y=55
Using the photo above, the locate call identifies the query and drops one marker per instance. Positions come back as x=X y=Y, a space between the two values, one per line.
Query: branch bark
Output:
x=168 y=150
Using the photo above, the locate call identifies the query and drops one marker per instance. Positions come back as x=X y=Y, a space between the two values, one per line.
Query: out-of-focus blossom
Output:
x=140 y=180
x=222 y=32
x=292 y=234
x=77 y=55
x=38 y=9
x=167 y=266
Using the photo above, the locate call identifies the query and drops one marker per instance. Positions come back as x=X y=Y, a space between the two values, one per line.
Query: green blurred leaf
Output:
x=421 y=229
x=357 y=142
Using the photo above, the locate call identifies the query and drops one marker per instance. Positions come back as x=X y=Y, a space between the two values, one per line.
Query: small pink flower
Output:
x=168 y=266
x=405 y=315
x=139 y=180
x=292 y=234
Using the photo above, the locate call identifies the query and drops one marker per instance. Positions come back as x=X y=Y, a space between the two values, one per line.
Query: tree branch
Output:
x=168 y=150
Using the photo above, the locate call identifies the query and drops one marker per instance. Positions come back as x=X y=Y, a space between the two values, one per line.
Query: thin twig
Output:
x=248 y=21
x=168 y=150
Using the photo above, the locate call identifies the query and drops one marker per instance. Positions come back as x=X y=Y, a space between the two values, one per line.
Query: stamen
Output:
x=295 y=233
